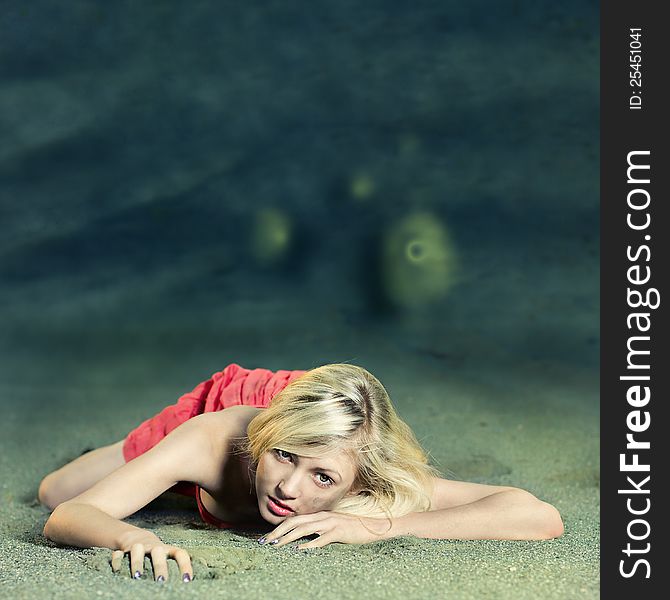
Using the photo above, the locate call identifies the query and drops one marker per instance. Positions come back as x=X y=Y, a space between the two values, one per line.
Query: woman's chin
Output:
x=269 y=516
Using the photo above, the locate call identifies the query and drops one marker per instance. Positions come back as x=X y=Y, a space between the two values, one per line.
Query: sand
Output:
x=185 y=185
x=532 y=424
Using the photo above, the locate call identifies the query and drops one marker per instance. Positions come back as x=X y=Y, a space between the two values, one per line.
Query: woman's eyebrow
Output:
x=324 y=469
x=332 y=471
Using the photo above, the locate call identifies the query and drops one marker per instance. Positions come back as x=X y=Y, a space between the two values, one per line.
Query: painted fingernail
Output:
x=160 y=579
x=262 y=540
x=274 y=542
x=137 y=575
x=186 y=578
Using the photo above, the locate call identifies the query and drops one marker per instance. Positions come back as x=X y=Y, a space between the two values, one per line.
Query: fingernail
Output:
x=262 y=540
x=137 y=575
x=274 y=542
x=160 y=579
x=186 y=578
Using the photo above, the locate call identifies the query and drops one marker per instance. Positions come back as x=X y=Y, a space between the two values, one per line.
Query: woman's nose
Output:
x=289 y=487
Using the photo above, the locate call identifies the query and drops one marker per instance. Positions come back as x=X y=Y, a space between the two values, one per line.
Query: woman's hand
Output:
x=330 y=527
x=140 y=543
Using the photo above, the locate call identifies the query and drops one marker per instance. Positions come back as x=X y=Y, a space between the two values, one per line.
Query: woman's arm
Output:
x=471 y=511
x=85 y=526
x=93 y=518
x=461 y=510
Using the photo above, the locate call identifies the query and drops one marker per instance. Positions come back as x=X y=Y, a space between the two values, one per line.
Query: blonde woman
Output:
x=319 y=452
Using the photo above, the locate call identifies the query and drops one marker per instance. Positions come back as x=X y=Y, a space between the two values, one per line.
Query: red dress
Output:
x=233 y=386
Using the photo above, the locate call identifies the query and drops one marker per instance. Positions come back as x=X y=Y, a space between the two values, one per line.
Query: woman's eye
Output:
x=282 y=454
x=324 y=479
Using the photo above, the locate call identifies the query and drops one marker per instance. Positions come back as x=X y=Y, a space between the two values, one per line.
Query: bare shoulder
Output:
x=233 y=421
x=239 y=414
x=448 y=493
x=209 y=437
x=223 y=430
x=196 y=451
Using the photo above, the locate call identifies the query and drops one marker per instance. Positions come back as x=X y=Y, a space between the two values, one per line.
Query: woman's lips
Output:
x=278 y=508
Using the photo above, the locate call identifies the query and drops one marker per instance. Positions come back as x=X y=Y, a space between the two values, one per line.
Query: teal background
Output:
x=185 y=185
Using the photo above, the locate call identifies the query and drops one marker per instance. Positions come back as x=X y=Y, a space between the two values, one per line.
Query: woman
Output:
x=311 y=452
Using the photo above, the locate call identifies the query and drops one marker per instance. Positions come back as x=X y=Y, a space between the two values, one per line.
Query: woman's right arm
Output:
x=78 y=524
x=94 y=517
x=86 y=526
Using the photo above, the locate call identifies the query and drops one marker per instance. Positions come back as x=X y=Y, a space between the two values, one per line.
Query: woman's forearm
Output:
x=85 y=526
x=507 y=515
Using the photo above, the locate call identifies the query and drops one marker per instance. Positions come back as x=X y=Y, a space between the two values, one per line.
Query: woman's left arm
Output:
x=460 y=510
x=471 y=511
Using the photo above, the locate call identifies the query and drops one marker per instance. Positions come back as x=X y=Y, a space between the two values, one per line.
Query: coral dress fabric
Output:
x=233 y=386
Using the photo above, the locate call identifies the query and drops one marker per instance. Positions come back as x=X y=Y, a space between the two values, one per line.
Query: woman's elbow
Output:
x=48 y=532
x=541 y=520
x=51 y=527
x=551 y=523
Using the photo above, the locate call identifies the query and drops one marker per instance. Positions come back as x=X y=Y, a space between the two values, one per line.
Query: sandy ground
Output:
x=139 y=148
x=529 y=423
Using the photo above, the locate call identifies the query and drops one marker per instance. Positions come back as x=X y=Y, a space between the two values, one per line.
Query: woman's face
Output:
x=288 y=484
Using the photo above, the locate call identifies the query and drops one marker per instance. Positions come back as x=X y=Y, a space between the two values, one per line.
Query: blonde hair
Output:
x=344 y=407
